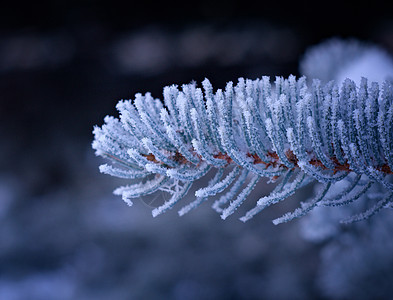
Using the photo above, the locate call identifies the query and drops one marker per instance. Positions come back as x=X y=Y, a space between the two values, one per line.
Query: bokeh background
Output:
x=63 y=235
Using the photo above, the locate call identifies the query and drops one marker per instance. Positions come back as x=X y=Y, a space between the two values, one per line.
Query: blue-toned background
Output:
x=63 y=235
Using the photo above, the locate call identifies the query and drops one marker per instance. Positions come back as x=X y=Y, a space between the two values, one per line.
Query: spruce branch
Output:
x=291 y=132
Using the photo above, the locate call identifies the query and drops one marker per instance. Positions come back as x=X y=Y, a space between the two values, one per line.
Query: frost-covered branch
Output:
x=288 y=131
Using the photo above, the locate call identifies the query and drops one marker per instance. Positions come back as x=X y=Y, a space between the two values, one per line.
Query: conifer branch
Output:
x=289 y=132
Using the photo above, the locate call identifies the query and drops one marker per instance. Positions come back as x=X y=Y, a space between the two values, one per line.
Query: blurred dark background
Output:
x=63 y=67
